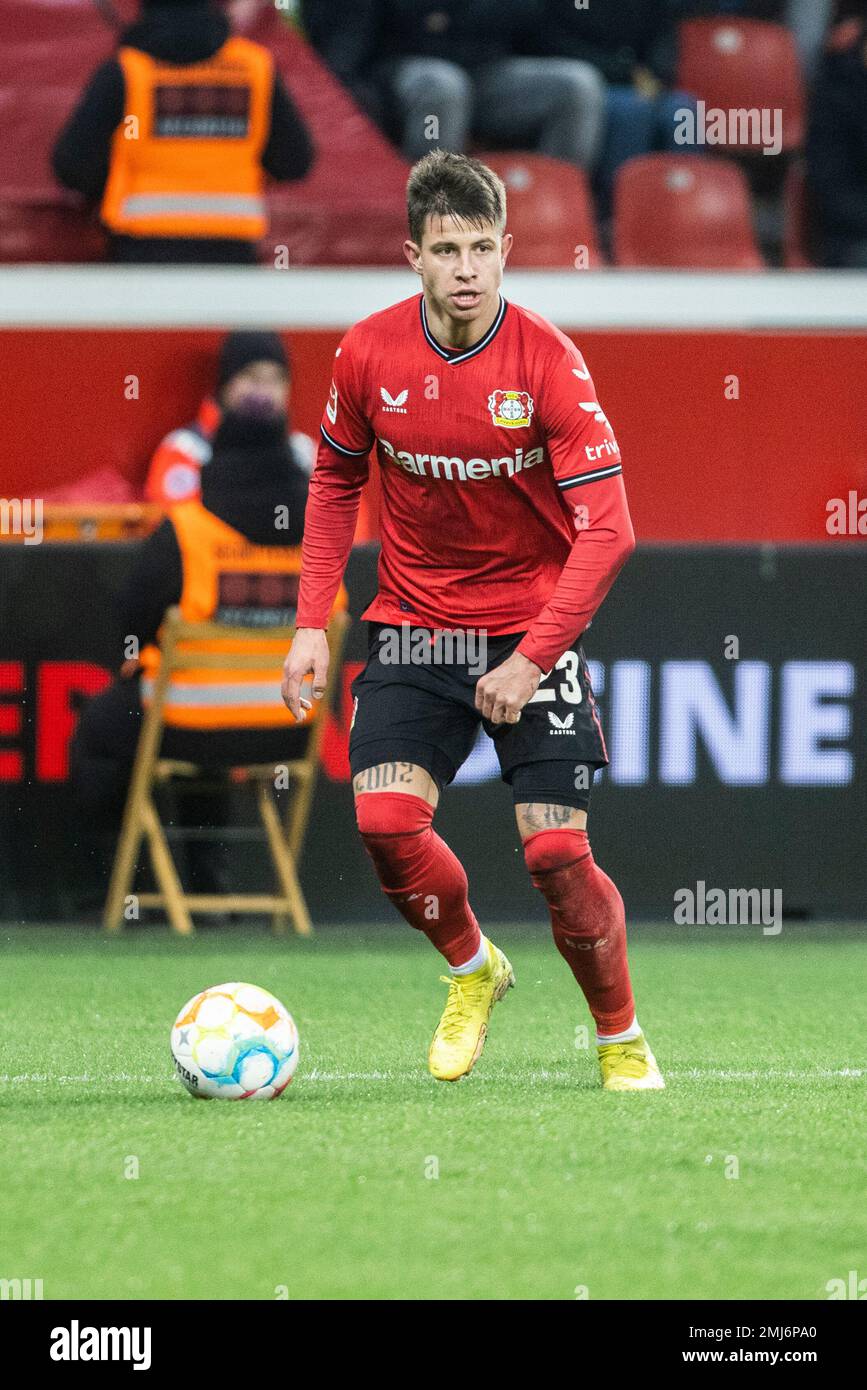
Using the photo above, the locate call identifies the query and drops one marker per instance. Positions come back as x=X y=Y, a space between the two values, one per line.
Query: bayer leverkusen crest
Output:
x=512 y=409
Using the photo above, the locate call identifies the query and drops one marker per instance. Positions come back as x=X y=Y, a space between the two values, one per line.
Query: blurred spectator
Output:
x=253 y=373
x=632 y=44
x=837 y=149
x=439 y=73
x=254 y=485
x=808 y=19
x=173 y=137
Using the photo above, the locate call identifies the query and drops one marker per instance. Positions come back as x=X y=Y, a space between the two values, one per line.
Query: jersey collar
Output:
x=474 y=351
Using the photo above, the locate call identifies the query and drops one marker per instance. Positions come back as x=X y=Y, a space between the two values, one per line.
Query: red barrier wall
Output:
x=698 y=466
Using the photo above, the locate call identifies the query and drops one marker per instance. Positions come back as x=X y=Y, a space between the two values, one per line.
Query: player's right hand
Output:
x=309 y=652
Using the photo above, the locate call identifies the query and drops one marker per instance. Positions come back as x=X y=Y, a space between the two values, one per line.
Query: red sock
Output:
x=418 y=871
x=588 y=921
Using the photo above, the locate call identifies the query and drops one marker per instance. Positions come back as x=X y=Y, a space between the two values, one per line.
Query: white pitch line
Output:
x=773 y=1073
x=689 y=1073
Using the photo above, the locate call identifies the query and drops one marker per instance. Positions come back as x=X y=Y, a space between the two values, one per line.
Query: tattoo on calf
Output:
x=375 y=779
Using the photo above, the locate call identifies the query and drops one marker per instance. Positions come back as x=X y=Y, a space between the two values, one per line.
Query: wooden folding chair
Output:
x=141 y=820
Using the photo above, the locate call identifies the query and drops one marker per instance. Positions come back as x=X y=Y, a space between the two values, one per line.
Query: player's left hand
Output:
x=501 y=694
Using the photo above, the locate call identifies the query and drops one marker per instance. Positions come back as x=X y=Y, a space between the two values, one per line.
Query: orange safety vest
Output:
x=186 y=160
x=228 y=579
x=175 y=472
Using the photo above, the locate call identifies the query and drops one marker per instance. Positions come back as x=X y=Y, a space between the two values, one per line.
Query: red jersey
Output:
x=502 y=502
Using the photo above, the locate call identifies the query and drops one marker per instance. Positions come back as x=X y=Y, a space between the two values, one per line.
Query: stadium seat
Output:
x=683 y=211
x=30 y=118
x=141 y=818
x=737 y=64
x=48 y=231
x=550 y=211
x=797 y=227
x=50 y=21
x=39 y=220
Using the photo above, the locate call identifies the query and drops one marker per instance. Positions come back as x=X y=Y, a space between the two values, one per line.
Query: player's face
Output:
x=461 y=267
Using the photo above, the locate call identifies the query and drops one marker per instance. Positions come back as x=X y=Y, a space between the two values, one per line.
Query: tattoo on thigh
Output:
x=543 y=815
x=375 y=779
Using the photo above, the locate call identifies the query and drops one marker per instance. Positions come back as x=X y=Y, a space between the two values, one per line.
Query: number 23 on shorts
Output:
x=569 y=665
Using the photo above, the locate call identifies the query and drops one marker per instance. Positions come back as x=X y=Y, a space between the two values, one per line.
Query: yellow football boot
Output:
x=629 y=1066
x=460 y=1036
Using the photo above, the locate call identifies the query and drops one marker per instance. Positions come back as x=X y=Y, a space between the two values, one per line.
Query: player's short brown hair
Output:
x=453 y=185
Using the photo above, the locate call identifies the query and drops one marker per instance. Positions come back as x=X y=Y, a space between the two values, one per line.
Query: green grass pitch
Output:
x=744 y=1179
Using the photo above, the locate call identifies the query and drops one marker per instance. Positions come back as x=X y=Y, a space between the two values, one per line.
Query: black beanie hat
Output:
x=239 y=350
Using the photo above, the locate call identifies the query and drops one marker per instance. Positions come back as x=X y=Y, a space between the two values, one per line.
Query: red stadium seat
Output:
x=683 y=211
x=550 y=211
x=737 y=64
x=51 y=40
x=48 y=232
x=48 y=48
x=31 y=118
x=797 y=228
x=59 y=21
x=39 y=221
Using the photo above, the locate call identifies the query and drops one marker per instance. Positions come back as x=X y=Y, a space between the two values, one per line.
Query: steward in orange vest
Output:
x=234 y=556
x=175 y=135
x=229 y=579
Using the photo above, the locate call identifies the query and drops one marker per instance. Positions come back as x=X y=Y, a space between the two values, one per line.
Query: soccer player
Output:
x=504 y=523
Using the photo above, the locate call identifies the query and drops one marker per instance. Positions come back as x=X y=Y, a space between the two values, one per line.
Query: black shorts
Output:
x=415 y=703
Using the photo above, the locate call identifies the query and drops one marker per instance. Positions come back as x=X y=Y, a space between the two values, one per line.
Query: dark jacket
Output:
x=616 y=36
x=837 y=146
x=360 y=39
x=189 y=34
x=251 y=473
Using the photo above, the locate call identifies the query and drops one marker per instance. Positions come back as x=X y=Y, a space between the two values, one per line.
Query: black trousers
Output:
x=134 y=250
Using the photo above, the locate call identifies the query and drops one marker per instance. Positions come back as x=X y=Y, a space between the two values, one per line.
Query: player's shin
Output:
x=419 y=873
x=588 y=922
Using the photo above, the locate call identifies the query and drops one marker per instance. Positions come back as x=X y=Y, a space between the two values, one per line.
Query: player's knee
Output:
x=549 y=852
x=394 y=827
x=586 y=907
x=382 y=814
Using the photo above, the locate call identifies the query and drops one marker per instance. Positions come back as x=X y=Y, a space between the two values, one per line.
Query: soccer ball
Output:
x=235 y=1042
